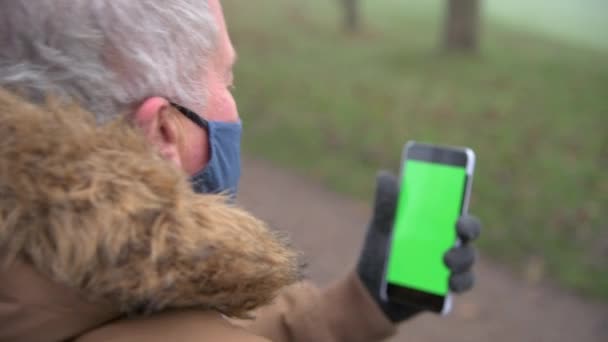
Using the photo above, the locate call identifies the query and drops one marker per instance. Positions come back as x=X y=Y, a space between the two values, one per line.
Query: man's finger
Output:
x=460 y=259
x=462 y=282
x=468 y=228
x=387 y=190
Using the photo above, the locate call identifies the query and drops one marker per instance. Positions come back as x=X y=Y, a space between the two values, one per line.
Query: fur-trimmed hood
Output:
x=94 y=208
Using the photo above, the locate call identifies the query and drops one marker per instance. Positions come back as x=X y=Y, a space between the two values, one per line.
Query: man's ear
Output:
x=154 y=119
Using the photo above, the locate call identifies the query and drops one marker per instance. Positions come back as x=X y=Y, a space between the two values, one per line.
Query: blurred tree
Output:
x=352 y=15
x=461 y=31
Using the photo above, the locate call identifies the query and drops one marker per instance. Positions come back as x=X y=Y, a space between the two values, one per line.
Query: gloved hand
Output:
x=371 y=262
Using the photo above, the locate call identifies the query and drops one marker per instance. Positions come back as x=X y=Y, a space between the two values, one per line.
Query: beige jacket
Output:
x=102 y=240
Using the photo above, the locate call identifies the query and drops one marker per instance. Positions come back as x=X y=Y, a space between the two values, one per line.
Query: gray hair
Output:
x=107 y=55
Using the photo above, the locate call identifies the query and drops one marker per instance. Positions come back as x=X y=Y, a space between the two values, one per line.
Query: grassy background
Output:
x=533 y=104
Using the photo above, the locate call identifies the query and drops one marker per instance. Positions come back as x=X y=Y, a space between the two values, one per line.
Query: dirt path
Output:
x=329 y=229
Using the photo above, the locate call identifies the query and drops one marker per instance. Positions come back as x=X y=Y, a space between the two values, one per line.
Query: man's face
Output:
x=178 y=139
x=220 y=102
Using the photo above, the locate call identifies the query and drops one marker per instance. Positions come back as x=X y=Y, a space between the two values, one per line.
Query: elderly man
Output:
x=119 y=132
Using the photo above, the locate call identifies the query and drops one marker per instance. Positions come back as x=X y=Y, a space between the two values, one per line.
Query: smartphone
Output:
x=435 y=187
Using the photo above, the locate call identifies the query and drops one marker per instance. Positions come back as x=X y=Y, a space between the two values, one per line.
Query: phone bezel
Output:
x=446 y=155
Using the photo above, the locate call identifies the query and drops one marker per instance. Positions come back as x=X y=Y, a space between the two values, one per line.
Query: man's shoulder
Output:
x=178 y=325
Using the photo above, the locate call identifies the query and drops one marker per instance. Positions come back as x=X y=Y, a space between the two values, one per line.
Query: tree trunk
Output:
x=462 y=25
x=352 y=16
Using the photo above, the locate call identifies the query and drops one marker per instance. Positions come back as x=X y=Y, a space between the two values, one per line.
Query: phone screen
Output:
x=430 y=203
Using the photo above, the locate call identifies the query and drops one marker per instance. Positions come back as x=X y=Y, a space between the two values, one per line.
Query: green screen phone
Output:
x=434 y=192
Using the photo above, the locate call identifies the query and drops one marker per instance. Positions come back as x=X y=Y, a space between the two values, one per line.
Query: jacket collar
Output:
x=95 y=209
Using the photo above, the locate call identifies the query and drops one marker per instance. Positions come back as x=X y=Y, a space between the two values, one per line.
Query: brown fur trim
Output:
x=95 y=208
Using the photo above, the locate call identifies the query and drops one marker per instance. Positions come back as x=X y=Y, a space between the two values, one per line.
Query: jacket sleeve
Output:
x=342 y=312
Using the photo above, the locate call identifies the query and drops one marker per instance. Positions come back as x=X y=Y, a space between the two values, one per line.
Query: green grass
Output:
x=535 y=109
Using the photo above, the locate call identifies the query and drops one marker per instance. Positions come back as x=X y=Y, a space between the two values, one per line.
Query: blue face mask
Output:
x=223 y=171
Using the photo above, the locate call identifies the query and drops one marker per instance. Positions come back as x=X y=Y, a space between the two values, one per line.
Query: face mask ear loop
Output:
x=200 y=121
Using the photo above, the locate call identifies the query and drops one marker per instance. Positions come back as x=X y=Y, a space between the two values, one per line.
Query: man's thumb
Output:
x=387 y=191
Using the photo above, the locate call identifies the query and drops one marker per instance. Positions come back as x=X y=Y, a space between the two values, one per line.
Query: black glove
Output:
x=371 y=262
